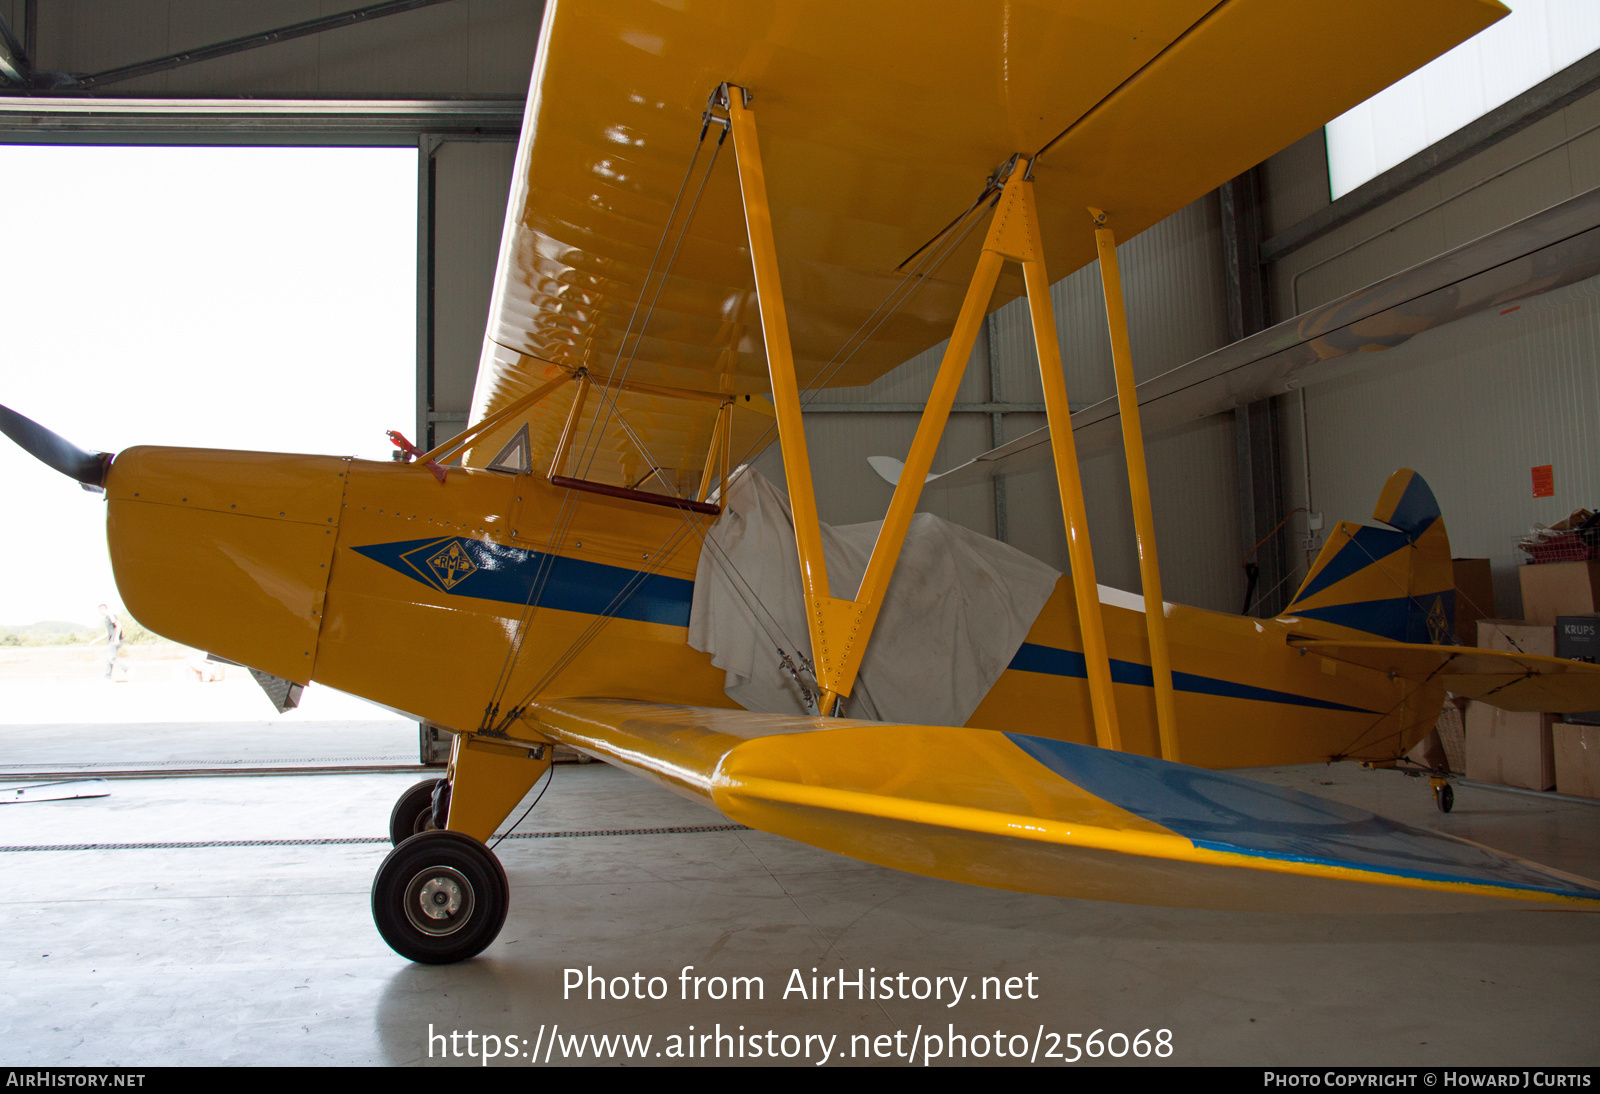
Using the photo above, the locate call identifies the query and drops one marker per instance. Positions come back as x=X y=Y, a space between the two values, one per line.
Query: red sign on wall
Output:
x=1544 y=481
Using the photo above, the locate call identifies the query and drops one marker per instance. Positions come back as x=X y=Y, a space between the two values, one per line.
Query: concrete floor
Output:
x=268 y=954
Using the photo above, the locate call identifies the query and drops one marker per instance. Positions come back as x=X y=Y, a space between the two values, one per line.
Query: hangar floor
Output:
x=267 y=954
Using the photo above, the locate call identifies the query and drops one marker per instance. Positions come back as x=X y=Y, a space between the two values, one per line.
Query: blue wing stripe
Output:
x=1228 y=813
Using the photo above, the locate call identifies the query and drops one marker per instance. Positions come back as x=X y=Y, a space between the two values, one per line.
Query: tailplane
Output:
x=1395 y=582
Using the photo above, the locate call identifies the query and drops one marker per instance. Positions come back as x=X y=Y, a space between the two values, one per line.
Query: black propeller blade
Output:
x=54 y=450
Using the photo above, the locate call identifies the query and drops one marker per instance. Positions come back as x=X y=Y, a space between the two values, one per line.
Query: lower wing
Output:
x=1013 y=811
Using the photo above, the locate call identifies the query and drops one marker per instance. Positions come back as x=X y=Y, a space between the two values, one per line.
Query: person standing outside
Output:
x=113 y=639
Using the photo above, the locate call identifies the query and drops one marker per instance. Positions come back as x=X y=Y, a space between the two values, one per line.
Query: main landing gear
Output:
x=440 y=897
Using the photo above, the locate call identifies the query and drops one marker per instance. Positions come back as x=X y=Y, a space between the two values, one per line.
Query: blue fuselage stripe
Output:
x=1058 y=662
x=509 y=575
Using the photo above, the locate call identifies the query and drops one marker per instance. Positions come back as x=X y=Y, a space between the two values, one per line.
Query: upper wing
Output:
x=880 y=122
x=1011 y=811
x=1510 y=681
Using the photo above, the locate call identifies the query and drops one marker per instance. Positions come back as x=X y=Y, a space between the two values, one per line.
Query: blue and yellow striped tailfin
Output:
x=1393 y=584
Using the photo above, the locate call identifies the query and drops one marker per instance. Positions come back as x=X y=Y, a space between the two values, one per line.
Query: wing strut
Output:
x=461 y=440
x=717 y=454
x=1155 y=618
x=840 y=629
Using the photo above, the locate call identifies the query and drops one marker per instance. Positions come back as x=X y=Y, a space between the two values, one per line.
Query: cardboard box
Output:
x=1517 y=636
x=1474 y=596
x=1558 y=588
x=1577 y=750
x=1578 y=639
x=1510 y=749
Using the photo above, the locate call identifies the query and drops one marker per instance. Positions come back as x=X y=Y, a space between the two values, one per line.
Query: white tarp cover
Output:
x=959 y=606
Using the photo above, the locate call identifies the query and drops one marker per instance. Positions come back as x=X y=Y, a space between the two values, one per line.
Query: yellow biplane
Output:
x=657 y=315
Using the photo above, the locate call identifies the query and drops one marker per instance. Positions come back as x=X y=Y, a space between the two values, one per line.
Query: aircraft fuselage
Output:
x=376 y=579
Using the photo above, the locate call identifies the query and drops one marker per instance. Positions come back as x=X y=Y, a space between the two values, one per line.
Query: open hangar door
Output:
x=444 y=83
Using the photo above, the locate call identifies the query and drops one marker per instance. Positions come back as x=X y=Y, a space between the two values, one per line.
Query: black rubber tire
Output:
x=413 y=813
x=1445 y=798
x=433 y=868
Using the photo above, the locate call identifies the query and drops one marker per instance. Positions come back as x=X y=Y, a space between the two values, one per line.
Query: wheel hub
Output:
x=439 y=900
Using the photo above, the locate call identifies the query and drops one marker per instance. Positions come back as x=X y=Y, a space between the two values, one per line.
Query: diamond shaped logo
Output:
x=1438 y=625
x=451 y=565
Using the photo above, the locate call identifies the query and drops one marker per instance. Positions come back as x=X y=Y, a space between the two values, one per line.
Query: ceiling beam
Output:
x=96 y=80
x=92 y=120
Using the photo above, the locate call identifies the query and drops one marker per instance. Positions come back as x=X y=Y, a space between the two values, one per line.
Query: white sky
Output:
x=249 y=298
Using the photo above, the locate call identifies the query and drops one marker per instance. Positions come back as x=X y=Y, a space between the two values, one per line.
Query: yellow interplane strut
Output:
x=840 y=629
x=825 y=616
x=717 y=453
x=570 y=427
x=1015 y=235
x=1155 y=617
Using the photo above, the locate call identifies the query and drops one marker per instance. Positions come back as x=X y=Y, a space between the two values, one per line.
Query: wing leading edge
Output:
x=1014 y=811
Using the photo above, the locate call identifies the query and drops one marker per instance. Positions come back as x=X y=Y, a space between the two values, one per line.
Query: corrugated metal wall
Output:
x=1177 y=311
x=1472 y=406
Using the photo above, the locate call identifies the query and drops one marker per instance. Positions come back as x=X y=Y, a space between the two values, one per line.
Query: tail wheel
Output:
x=440 y=897
x=1444 y=797
x=414 y=812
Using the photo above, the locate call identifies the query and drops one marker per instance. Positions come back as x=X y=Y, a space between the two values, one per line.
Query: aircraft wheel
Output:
x=1445 y=798
x=413 y=813
x=440 y=897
